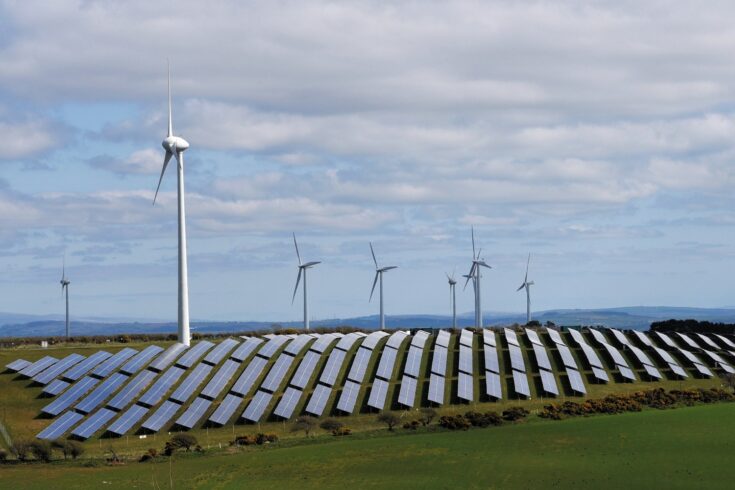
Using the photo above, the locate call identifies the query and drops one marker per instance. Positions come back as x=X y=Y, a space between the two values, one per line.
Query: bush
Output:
x=266 y=438
x=331 y=425
x=514 y=414
x=246 y=440
x=477 y=419
x=183 y=441
x=454 y=422
x=41 y=450
x=21 y=449
x=342 y=431
x=412 y=425
x=390 y=419
x=427 y=416
x=150 y=454
x=307 y=423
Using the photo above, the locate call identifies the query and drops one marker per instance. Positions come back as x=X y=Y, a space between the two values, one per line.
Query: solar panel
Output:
x=667 y=340
x=555 y=336
x=127 y=420
x=220 y=379
x=346 y=342
x=59 y=426
x=387 y=363
x=600 y=374
x=688 y=340
x=272 y=346
x=492 y=385
x=55 y=387
x=643 y=338
x=38 y=366
x=413 y=361
x=191 y=382
x=566 y=356
x=511 y=337
x=372 y=339
x=548 y=382
x=332 y=368
x=407 y=395
x=439 y=361
x=101 y=392
x=224 y=411
x=726 y=341
x=465 y=387
x=652 y=371
x=93 y=423
x=219 y=352
x=616 y=355
x=442 y=338
x=465 y=359
x=516 y=358
x=305 y=370
x=592 y=358
x=691 y=357
x=665 y=355
x=131 y=390
x=542 y=358
x=715 y=357
x=520 y=383
x=488 y=337
x=161 y=386
x=359 y=364
x=642 y=357
x=246 y=348
x=298 y=344
x=161 y=416
x=256 y=407
x=85 y=366
x=195 y=353
x=726 y=367
x=66 y=399
x=288 y=402
x=323 y=342
x=466 y=337
x=112 y=363
x=577 y=336
x=703 y=370
x=48 y=375
x=377 y=394
x=195 y=412
x=141 y=359
x=575 y=379
x=436 y=389
x=419 y=340
x=318 y=400
x=619 y=336
x=626 y=373
x=396 y=339
x=348 y=397
x=708 y=341
x=491 y=359
x=533 y=337
x=167 y=357
x=678 y=370
x=18 y=365
x=247 y=379
x=599 y=336
x=275 y=376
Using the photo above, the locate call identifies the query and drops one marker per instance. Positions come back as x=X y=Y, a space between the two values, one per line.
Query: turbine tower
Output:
x=65 y=286
x=475 y=275
x=302 y=268
x=453 y=298
x=527 y=285
x=379 y=275
x=175 y=147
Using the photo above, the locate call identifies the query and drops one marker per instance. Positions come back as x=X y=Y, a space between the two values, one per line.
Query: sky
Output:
x=597 y=136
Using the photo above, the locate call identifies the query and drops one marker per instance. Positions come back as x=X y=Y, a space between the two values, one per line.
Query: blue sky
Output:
x=596 y=136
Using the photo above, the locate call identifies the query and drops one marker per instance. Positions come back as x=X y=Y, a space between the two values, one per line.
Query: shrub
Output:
x=266 y=438
x=477 y=419
x=390 y=419
x=21 y=448
x=246 y=440
x=513 y=414
x=427 y=416
x=342 y=431
x=41 y=450
x=412 y=425
x=454 y=422
x=307 y=423
x=331 y=425
x=147 y=456
x=183 y=441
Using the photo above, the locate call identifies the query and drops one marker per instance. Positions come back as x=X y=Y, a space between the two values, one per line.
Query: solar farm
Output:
x=276 y=378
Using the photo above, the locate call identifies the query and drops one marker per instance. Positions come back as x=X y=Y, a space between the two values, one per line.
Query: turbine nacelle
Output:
x=174 y=144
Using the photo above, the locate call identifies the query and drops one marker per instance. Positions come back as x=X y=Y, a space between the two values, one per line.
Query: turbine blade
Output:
x=298 y=278
x=373 y=252
x=473 y=242
x=375 y=281
x=311 y=264
x=297 y=248
x=469 y=276
x=527 y=262
x=521 y=287
x=170 y=121
x=166 y=159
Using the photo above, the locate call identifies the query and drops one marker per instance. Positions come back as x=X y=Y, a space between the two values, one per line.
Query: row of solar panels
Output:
x=91 y=389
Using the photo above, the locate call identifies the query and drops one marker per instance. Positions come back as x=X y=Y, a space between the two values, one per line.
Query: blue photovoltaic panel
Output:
x=652 y=371
x=333 y=367
x=141 y=359
x=131 y=390
x=55 y=387
x=413 y=361
x=619 y=336
x=492 y=385
x=18 y=365
x=323 y=342
x=516 y=358
x=407 y=395
x=691 y=357
x=156 y=392
x=566 y=356
x=600 y=374
x=626 y=373
x=729 y=343
x=348 y=397
x=220 y=379
x=59 y=426
x=442 y=339
x=247 y=379
x=195 y=353
x=466 y=337
x=38 y=366
x=387 y=362
x=643 y=338
x=298 y=344
x=511 y=337
x=616 y=355
x=491 y=359
x=667 y=340
x=112 y=363
x=48 y=375
x=599 y=336
x=224 y=411
x=396 y=339
x=346 y=342
x=191 y=382
x=465 y=387
x=220 y=351
x=419 y=340
x=488 y=337
x=101 y=392
x=688 y=340
x=714 y=356
x=359 y=365
x=318 y=400
x=708 y=341
x=436 y=389
x=85 y=366
x=70 y=396
x=127 y=420
x=272 y=346
x=592 y=358
x=678 y=370
x=377 y=394
x=161 y=416
x=665 y=355
x=93 y=423
x=288 y=402
x=195 y=412
x=246 y=348
x=555 y=336
x=520 y=383
x=167 y=357
x=542 y=358
x=305 y=370
x=275 y=376
x=548 y=382
x=256 y=408
x=533 y=337
x=439 y=361
x=642 y=357
x=371 y=341
x=575 y=379
x=703 y=370
x=577 y=336
x=465 y=359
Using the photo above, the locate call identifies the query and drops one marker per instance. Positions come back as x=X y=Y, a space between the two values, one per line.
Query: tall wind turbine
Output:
x=475 y=275
x=453 y=298
x=527 y=285
x=302 y=268
x=65 y=286
x=379 y=275
x=175 y=147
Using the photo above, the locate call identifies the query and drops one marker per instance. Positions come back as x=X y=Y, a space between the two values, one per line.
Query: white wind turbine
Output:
x=475 y=275
x=302 y=268
x=527 y=285
x=379 y=275
x=453 y=298
x=65 y=288
x=175 y=147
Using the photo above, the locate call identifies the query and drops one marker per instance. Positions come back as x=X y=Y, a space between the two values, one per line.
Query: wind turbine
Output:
x=527 y=285
x=65 y=286
x=175 y=147
x=302 y=268
x=453 y=298
x=475 y=274
x=379 y=275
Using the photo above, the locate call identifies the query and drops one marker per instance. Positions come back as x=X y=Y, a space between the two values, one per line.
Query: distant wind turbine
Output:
x=475 y=275
x=302 y=268
x=175 y=147
x=65 y=288
x=453 y=298
x=379 y=275
x=527 y=285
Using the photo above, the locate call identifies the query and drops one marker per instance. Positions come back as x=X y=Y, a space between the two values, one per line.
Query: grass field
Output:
x=682 y=448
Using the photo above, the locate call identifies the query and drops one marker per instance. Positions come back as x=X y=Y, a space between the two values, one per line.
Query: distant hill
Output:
x=632 y=317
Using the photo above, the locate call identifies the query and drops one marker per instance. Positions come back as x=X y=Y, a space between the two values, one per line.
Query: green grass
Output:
x=681 y=448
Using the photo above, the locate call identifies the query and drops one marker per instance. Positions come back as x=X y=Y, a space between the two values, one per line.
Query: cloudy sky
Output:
x=598 y=136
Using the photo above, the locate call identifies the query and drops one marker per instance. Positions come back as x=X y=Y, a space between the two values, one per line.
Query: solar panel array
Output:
x=492 y=365
x=548 y=381
x=618 y=360
x=570 y=365
x=697 y=363
x=643 y=359
x=598 y=371
x=437 y=379
x=518 y=365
